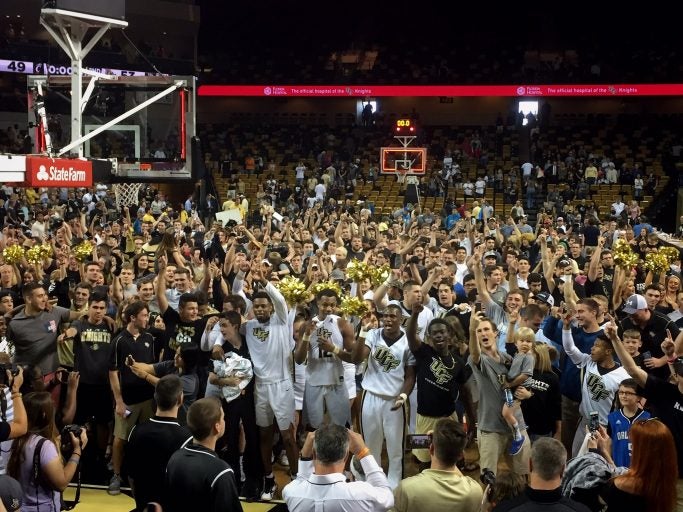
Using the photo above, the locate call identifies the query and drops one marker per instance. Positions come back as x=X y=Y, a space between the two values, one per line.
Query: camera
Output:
x=66 y=444
x=55 y=224
x=3 y=372
x=488 y=477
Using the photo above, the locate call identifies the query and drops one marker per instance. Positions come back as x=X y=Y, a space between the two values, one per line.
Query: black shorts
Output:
x=94 y=401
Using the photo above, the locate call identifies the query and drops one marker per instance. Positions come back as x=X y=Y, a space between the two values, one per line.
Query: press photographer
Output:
x=39 y=452
x=11 y=379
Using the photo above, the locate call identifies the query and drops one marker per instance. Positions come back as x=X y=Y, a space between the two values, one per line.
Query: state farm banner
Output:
x=58 y=172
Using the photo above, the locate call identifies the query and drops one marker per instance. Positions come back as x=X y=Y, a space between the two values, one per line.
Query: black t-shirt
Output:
x=181 y=334
x=437 y=381
x=668 y=402
x=652 y=335
x=543 y=409
x=134 y=390
x=92 y=352
x=148 y=450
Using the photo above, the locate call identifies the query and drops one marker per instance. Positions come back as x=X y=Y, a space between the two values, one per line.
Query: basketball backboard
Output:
x=152 y=144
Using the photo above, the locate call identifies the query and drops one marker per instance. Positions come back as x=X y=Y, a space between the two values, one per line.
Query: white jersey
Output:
x=597 y=390
x=324 y=368
x=271 y=343
x=386 y=364
x=422 y=320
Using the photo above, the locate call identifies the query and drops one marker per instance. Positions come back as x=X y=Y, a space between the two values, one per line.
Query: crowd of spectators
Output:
x=170 y=291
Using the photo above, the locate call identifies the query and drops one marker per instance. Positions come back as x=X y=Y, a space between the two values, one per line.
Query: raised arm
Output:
x=161 y=284
x=594 y=264
x=301 y=349
x=482 y=291
x=475 y=349
x=635 y=371
x=361 y=351
x=574 y=353
x=414 y=342
x=279 y=302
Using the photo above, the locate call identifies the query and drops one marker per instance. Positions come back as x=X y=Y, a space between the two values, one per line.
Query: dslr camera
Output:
x=3 y=372
x=488 y=478
x=67 y=446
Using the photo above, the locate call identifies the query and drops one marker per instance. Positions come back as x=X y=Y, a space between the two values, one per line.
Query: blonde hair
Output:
x=525 y=333
x=543 y=361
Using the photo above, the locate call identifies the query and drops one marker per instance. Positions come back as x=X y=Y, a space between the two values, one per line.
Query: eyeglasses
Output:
x=627 y=393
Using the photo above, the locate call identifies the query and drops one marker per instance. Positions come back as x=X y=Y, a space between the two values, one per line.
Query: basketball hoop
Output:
x=126 y=193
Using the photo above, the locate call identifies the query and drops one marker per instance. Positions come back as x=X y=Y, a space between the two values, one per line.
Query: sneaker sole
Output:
x=113 y=493
x=271 y=493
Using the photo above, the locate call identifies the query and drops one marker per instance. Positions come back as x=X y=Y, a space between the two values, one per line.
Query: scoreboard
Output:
x=43 y=68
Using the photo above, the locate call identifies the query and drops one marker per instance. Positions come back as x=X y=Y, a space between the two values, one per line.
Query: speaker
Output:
x=114 y=9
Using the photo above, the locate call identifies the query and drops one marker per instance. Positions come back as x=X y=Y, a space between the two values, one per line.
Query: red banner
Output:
x=58 y=172
x=587 y=90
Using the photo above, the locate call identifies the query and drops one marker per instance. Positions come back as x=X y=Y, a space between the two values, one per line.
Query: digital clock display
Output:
x=43 y=68
x=403 y=123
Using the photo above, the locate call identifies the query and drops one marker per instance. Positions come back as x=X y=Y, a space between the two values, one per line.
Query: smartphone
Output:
x=593 y=422
x=478 y=307
x=647 y=354
x=129 y=360
x=419 y=441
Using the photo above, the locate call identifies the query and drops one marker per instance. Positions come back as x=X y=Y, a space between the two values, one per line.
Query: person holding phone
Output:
x=441 y=377
x=442 y=486
x=133 y=397
x=601 y=377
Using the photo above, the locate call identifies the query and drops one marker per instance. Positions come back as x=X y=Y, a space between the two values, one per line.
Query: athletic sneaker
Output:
x=114 y=485
x=283 y=460
x=251 y=490
x=516 y=446
x=269 y=489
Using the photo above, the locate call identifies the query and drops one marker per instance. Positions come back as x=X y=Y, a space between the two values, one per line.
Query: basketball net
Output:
x=401 y=173
x=126 y=193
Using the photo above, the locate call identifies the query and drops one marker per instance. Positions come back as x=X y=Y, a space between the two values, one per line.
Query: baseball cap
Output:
x=10 y=493
x=491 y=254
x=634 y=303
x=545 y=297
x=560 y=219
x=337 y=275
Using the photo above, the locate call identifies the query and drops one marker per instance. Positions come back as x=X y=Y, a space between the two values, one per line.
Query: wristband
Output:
x=75 y=461
x=672 y=360
x=336 y=350
x=305 y=338
x=363 y=333
x=363 y=453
